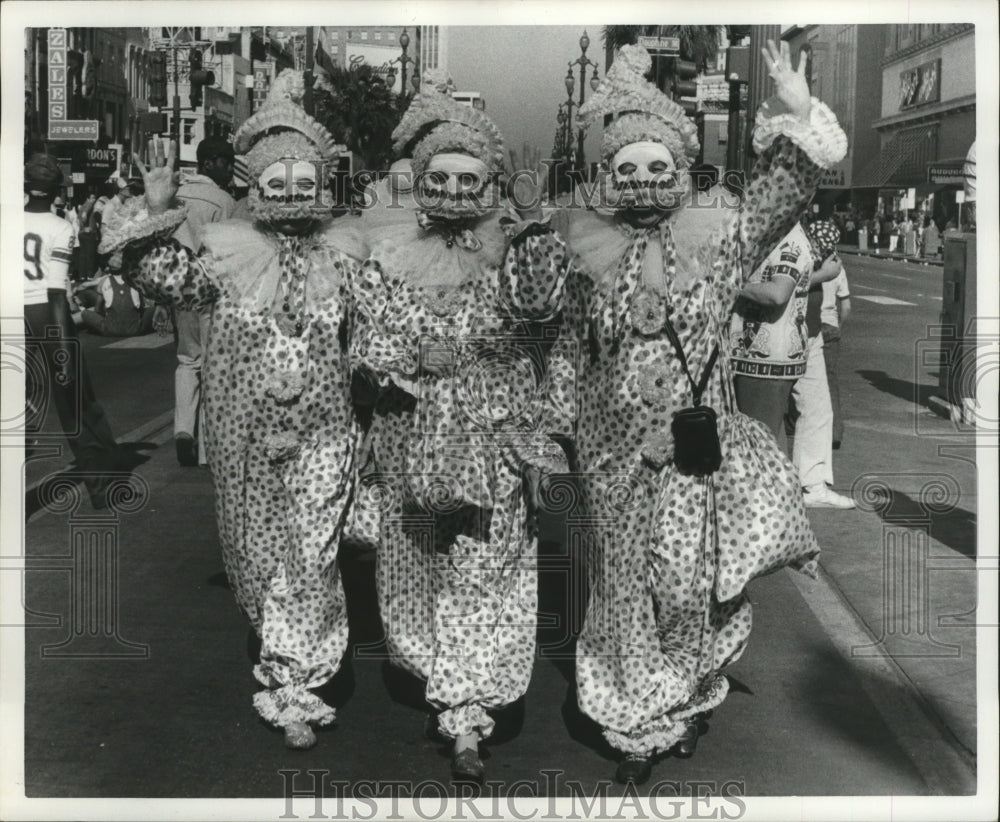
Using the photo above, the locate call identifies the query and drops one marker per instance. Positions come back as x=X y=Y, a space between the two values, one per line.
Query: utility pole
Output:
x=307 y=100
x=175 y=124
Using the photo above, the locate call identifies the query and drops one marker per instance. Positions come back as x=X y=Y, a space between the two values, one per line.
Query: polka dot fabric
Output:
x=464 y=395
x=669 y=559
x=280 y=435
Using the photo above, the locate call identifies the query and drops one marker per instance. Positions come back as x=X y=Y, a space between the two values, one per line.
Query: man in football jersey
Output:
x=47 y=243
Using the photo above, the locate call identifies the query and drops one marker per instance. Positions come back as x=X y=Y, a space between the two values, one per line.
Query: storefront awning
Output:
x=902 y=163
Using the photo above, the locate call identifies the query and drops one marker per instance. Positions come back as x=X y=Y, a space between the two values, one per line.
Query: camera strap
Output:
x=669 y=262
x=697 y=389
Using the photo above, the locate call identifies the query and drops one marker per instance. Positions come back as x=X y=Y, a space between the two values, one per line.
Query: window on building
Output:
x=335 y=34
x=844 y=76
x=390 y=35
x=187 y=123
x=378 y=35
x=908 y=35
x=890 y=39
x=364 y=35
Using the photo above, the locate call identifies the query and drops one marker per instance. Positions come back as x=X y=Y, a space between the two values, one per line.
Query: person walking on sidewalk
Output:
x=812 y=452
x=769 y=332
x=46 y=307
x=281 y=428
x=688 y=498
x=834 y=313
x=208 y=202
x=456 y=432
x=930 y=239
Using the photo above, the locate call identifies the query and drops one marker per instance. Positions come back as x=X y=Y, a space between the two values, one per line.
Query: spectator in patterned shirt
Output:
x=769 y=332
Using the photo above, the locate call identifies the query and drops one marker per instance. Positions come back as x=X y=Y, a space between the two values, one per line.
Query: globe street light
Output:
x=583 y=62
x=403 y=59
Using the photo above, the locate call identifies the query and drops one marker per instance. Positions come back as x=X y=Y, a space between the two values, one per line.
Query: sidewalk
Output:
x=172 y=716
x=862 y=682
x=886 y=255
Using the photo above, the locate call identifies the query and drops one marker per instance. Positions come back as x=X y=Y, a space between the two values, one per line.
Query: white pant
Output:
x=192 y=335
x=813 y=451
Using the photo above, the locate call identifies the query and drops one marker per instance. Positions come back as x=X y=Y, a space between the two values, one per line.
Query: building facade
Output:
x=106 y=81
x=927 y=121
x=382 y=48
x=233 y=56
x=845 y=72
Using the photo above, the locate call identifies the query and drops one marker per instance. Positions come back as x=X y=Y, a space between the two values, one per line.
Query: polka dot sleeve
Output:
x=533 y=274
x=374 y=348
x=172 y=274
x=793 y=156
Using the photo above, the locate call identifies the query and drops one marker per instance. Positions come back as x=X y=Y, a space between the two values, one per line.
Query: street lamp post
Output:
x=175 y=125
x=403 y=59
x=561 y=148
x=583 y=62
x=567 y=142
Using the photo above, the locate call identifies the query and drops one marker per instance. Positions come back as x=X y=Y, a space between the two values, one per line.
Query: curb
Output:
x=894 y=257
x=949 y=768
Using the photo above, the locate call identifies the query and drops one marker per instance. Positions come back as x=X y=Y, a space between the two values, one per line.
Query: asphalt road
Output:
x=158 y=705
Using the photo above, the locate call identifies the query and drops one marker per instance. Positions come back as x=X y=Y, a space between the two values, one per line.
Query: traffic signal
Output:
x=683 y=85
x=156 y=71
x=197 y=77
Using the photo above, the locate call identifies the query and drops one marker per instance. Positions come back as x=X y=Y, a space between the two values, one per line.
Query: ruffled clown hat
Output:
x=640 y=110
x=281 y=128
x=436 y=123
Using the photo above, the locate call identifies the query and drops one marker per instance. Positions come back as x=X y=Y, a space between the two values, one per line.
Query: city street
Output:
x=862 y=682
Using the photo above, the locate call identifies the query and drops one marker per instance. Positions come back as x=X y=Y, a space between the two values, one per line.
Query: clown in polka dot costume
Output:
x=672 y=552
x=460 y=428
x=280 y=426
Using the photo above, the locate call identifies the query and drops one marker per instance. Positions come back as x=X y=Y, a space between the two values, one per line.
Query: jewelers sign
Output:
x=60 y=126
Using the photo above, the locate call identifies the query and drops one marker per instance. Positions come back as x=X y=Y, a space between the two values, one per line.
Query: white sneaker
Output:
x=822 y=496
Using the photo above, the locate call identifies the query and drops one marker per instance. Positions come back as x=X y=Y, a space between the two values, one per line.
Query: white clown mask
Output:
x=645 y=175
x=288 y=196
x=452 y=185
x=289 y=179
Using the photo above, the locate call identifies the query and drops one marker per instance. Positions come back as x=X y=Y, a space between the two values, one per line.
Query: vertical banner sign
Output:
x=261 y=78
x=60 y=126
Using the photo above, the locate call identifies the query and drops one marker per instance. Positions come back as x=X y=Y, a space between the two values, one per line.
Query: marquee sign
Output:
x=944 y=174
x=60 y=126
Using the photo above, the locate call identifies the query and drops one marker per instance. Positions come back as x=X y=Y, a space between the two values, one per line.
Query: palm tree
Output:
x=361 y=111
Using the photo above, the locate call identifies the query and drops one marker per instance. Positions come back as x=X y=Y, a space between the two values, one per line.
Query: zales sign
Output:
x=60 y=126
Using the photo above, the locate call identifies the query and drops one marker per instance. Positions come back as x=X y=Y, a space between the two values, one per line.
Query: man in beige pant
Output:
x=812 y=453
x=207 y=202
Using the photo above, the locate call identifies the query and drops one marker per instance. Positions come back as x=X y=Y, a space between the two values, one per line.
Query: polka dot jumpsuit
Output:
x=459 y=420
x=280 y=436
x=670 y=554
